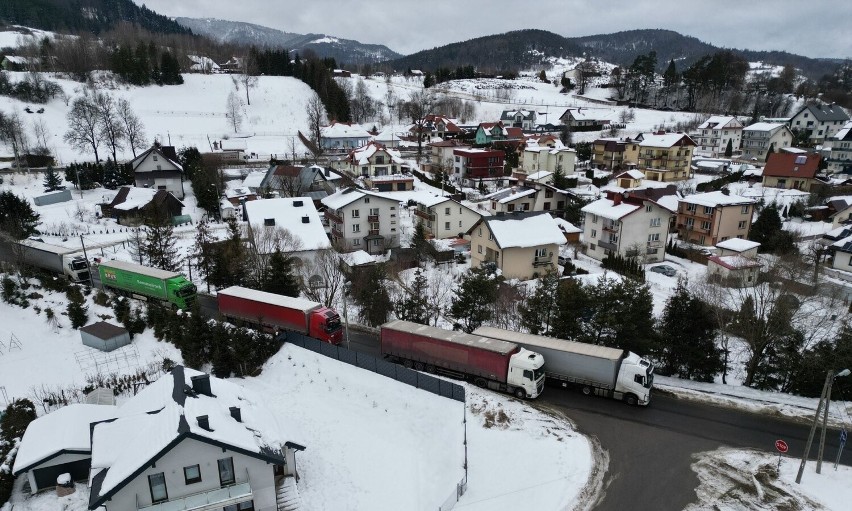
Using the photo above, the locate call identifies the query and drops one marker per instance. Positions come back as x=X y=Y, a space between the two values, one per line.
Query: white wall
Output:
x=388 y=222
x=460 y=219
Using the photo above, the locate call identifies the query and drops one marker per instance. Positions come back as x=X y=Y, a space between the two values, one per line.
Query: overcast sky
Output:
x=815 y=28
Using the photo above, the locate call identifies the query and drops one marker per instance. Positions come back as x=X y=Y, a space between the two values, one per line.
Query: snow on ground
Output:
x=751 y=480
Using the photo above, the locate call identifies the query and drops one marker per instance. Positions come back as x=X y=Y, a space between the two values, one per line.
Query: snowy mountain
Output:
x=342 y=50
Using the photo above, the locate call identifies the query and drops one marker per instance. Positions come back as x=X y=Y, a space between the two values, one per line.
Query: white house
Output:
x=296 y=215
x=626 y=225
x=714 y=134
x=537 y=158
x=158 y=168
x=343 y=136
x=373 y=159
x=186 y=441
x=532 y=196
x=363 y=220
x=443 y=217
x=759 y=137
x=524 y=119
x=819 y=121
x=840 y=150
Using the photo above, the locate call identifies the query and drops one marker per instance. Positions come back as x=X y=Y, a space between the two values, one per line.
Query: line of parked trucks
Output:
x=492 y=358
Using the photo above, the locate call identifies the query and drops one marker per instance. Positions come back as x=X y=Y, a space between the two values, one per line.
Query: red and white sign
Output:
x=781 y=445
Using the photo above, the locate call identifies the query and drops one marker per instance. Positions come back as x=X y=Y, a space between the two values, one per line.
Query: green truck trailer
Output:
x=147 y=283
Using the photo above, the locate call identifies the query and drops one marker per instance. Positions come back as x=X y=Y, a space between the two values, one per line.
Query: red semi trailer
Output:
x=275 y=313
x=491 y=363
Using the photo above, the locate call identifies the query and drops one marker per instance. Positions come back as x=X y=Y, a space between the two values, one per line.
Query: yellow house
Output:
x=521 y=245
x=661 y=156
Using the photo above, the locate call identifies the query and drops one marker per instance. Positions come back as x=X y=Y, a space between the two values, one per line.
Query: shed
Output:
x=104 y=336
x=100 y=396
x=52 y=198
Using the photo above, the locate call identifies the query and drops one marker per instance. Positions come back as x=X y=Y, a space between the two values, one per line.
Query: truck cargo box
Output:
x=457 y=351
x=263 y=308
x=136 y=278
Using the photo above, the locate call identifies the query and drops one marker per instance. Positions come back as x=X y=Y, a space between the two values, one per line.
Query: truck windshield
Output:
x=79 y=265
x=539 y=373
x=186 y=291
x=649 y=379
x=332 y=324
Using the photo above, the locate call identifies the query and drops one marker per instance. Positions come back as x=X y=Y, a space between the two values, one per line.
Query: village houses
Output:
x=158 y=168
x=820 y=122
x=362 y=220
x=443 y=217
x=794 y=171
x=840 y=150
x=661 y=156
x=718 y=132
x=710 y=217
x=735 y=263
x=761 y=137
x=340 y=136
x=531 y=196
x=608 y=153
x=523 y=118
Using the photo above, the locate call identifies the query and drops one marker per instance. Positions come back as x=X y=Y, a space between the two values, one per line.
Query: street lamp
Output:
x=824 y=397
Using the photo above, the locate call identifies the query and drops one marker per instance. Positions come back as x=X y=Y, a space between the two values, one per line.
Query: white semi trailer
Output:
x=608 y=372
x=61 y=260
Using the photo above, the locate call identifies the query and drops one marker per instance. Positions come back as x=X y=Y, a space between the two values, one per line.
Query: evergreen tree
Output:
x=474 y=299
x=559 y=179
x=203 y=249
x=160 y=250
x=52 y=181
x=620 y=315
x=670 y=76
x=17 y=218
x=371 y=294
x=112 y=176
x=77 y=313
x=193 y=338
x=688 y=337
x=16 y=418
x=228 y=259
x=415 y=306
x=280 y=278
x=572 y=309
x=542 y=76
x=170 y=69
x=539 y=310
x=729 y=149
x=770 y=151
x=766 y=227
x=418 y=240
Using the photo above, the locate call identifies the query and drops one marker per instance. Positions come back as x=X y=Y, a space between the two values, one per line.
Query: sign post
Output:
x=840 y=449
x=782 y=447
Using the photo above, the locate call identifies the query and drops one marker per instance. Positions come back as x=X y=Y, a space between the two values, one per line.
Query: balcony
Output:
x=542 y=261
x=336 y=231
x=332 y=217
x=206 y=501
x=655 y=244
x=373 y=232
x=608 y=246
x=425 y=215
x=372 y=218
x=611 y=228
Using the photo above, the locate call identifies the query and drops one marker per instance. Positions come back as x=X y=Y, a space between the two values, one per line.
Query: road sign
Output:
x=781 y=445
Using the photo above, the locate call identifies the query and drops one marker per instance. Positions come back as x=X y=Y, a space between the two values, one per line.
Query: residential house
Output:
x=388 y=138
x=791 y=170
x=363 y=220
x=443 y=217
x=714 y=135
x=711 y=217
x=524 y=119
x=239 y=195
x=233 y=149
x=254 y=181
x=761 y=137
x=629 y=179
x=521 y=245
x=133 y=206
x=840 y=151
x=661 y=156
x=735 y=263
x=436 y=126
x=537 y=158
x=210 y=450
x=737 y=246
x=583 y=119
x=20 y=63
x=441 y=154
x=839 y=210
x=528 y=197
x=297 y=181
x=374 y=159
x=608 y=153
x=342 y=136
x=158 y=168
x=625 y=225
x=821 y=122
x=490 y=132
x=571 y=231
x=471 y=164
x=298 y=216
x=838 y=242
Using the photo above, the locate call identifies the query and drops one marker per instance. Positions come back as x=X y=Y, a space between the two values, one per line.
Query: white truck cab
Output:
x=635 y=378
x=525 y=372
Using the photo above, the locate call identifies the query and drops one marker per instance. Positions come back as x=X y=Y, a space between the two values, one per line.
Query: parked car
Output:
x=563 y=260
x=664 y=269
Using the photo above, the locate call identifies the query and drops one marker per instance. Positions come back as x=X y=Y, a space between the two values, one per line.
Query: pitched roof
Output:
x=509 y=115
x=824 y=113
x=510 y=194
x=735 y=262
x=792 y=165
x=765 y=126
x=166 y=152
x=347 y=196
x=631 y=174
x=343 y=130
x=298 y=215
x=523 y=230
x=664 y=139
x=845 y=132
x=608 y=209
x=714 y=199
x=361 y=155
x=738 y=244
x=163 y=414
x=719 y=122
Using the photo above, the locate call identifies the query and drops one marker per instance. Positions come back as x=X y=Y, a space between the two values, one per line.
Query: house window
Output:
x=242 y=506
x=744 y=210
x=548 y=194
x=654 y=237
x=547 y=206
x=446 y=211
x=479 y=249
x=594 y=233
x=380 y=160
x=705 y=225
x=374 y=211
x=649 y=208
x=741 y=225
x=356 y=213
x=192 y=474
x=446 y=225
x=155 y=157
x=159 y=167
x=701 y=240
x=161 y=187
x=690 y=208
x=356 y=242
x=490 y=236
x=460 y=222
x=525 y=206
x=511 y=207
x=480 y=232
x=269 y=222
x=226 y=471
x=356 y=227
x=708 y=210
x=374 y=226
x=594 y=219
x=690 y=222
x=655 y=222
x=157 y=484
x=540 y=252
x=366 y=200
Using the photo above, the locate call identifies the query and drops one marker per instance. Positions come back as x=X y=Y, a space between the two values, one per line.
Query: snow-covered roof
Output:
x=714 y=199
x=254 y=179
x=566 y=226
x=632 y=174
x=431 y=200
x=668 y=202
x=166 y=411
x=66 y=429
x=663 y=139
x=584 y=114
x=606 y=208
x=510 y=194
x=362 y=155
x=343 y=130
x=764 y=126
x=734 y=262
x=234 y=144
x=844 y=132
x=738 y=244
x=525 y=230
x=136 y=198
x=719 y=122
x=357 y=258
x=290 y=214
x=347 y=196
x=541 y=174
x=200 y=63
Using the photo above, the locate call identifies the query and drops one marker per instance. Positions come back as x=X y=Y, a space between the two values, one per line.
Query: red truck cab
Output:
x=326 y=326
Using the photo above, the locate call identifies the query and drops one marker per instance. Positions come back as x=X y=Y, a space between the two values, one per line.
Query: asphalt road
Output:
x=651 y=449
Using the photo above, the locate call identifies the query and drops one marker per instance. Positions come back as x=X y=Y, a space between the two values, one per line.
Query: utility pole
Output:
x=824 y=397
x=86 y=257
x=346 y=318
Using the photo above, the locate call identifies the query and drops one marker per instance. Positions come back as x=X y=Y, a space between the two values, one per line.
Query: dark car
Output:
x=664 y=269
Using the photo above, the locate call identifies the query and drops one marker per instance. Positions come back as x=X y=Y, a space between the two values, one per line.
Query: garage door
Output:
x=46 y=477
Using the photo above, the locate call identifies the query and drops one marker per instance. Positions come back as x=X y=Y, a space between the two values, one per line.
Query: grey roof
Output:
x=824 y=113
x=104 y=330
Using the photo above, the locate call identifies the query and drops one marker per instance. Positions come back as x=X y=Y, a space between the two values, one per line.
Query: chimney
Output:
x=306 y=220
x=616 y=199
x=203 y=422
x=201 y=385
x=725 y=191
x=235 y=413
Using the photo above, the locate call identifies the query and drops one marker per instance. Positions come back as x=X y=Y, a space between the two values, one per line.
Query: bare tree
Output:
x=322 y=277
x=109 y=124
x=262 y=242
x=12 y=132
x=247 y=77
x=315 y=111
x=134 y=130
x=419 y=105
x=234 y=111
x=41 y=132
x=83 y=127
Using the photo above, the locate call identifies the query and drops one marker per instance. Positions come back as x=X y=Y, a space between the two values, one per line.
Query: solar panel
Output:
x=801 y=159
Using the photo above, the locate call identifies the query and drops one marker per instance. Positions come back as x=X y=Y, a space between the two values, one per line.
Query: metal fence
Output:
x=399 y=373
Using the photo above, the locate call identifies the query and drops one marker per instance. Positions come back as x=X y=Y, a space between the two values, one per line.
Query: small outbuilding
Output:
x=104 y=336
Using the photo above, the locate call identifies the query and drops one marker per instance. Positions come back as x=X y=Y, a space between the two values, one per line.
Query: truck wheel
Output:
x=631 y=400
x=479 y=382
x=430 y=368
x=586 y=390
x=520 y=393
x=418 y=366
x=408 y=364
